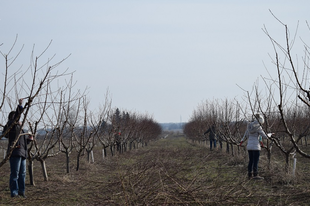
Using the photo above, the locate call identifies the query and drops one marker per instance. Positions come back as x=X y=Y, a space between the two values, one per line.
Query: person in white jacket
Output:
x=254 y=133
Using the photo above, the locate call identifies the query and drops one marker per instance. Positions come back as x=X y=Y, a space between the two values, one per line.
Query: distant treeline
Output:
x=172 y=126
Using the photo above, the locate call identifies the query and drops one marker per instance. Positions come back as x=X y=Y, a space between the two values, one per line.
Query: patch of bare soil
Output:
x=166 y=172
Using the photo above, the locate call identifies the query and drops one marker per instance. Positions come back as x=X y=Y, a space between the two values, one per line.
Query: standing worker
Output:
x=212 y=136
x=254 y=133
x=19 y=153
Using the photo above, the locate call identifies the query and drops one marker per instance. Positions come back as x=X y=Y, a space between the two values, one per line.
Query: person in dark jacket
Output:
x=212 y=136
x=19 y=153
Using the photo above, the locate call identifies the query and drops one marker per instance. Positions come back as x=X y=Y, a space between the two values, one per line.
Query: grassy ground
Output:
x=166 y=172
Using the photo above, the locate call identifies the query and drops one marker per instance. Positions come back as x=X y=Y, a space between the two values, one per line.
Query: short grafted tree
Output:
x=83 y=135
x=99 y=123
x=70 y=122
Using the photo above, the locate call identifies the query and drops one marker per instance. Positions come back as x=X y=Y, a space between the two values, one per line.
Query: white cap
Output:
x=260 y=118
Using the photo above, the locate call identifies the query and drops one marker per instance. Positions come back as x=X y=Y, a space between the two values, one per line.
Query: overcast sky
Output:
x=157 y=57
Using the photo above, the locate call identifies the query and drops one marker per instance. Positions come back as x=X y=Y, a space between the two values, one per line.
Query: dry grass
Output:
x=167 y=172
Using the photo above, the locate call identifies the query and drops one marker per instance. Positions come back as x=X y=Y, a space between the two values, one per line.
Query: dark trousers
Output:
x=212 y=141
x=253 y=162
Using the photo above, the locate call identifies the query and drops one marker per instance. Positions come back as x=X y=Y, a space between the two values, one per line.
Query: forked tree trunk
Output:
x=44 y=170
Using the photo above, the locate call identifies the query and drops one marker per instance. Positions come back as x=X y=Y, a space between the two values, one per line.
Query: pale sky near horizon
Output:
x=162 y=58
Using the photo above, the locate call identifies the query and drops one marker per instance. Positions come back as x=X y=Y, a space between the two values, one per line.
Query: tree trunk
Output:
x=119 y=148
x=4 y=153
x=68 y=162
x=111 y=149
x=90 y=156
x=30 y=170
x=287 y=161
x=269 y=157
x=44 y=171
x=227 y=147
x=232 y=149
x=103 y=153
x=78 y=161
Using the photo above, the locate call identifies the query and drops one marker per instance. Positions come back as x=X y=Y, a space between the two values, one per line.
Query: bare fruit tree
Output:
x=286 y=103
x=84 y=137
x=29 y=84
